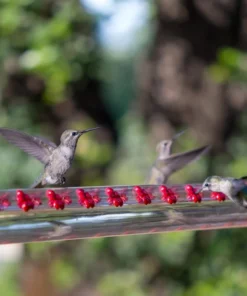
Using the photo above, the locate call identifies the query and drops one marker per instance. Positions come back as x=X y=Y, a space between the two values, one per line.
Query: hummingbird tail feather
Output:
x=37 y=183
x=244 y=204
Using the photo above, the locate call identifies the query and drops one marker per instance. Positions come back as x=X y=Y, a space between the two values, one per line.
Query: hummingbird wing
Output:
x=240 y=198
x=38 y=147
x=177 y=161
x=244 y=179
x=47 y=142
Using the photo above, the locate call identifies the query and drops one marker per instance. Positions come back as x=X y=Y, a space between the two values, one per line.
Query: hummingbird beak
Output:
x=178 y=135
x=88 y=130
x=203 y=188
x=200 y=190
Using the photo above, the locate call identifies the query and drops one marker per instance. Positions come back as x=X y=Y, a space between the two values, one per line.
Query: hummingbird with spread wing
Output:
x=56 y=159
x=167 y=163
x=234 y=189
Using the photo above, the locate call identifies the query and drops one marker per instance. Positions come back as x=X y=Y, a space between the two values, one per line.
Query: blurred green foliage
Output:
x=9 y=279
x=50 y=39
x=231 y=65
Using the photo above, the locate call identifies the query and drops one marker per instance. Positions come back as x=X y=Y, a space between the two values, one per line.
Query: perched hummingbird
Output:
x=234 y=189
x=57 y=159
x=166 y=164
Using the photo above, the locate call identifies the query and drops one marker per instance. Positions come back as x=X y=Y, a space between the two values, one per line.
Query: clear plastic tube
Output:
x=107 y=217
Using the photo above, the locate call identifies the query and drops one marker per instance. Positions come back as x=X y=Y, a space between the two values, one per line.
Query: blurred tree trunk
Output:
x=176 y=87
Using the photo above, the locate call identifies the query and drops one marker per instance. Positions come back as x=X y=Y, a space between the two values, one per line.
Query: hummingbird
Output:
x=167 y=163
x=234 y=189
x=56 y=159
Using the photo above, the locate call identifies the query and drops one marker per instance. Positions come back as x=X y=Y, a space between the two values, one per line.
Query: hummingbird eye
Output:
x=206 y=185
x=74 y=133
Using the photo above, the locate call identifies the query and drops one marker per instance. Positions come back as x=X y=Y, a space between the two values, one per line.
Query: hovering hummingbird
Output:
x=56 y=159
x=234 y=189
x=167 y=163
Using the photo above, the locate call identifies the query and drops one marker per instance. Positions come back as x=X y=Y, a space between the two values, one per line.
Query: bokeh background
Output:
x=143 y=70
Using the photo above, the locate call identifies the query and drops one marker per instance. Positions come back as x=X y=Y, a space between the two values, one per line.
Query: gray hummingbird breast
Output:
x=60 y=162
x=156 y=177
x=63 y=165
